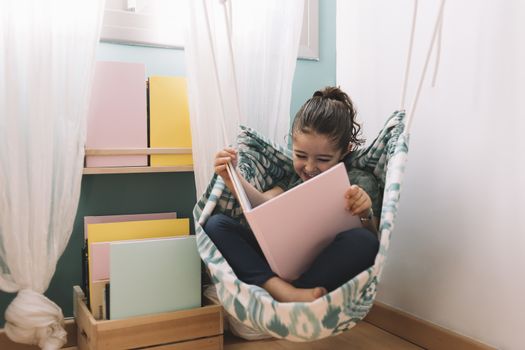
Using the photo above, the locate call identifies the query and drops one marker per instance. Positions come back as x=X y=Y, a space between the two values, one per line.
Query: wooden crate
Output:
x=199 y=329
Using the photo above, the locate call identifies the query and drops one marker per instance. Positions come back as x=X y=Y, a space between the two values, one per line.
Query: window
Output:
x=160 y=23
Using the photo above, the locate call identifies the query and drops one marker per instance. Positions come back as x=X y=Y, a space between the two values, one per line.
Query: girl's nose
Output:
x=310 y=166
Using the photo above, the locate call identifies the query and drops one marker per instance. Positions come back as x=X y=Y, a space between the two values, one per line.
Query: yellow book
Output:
x=169 y=119
x=132 y=230
x=97 y=301
x=121 y=231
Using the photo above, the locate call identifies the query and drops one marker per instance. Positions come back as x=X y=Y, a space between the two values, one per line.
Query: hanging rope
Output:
x=410 y=50
x=438 y=53
x=409 y=55
x=411 y=111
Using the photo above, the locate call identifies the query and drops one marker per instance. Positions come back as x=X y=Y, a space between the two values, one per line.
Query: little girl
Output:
x=324 y=132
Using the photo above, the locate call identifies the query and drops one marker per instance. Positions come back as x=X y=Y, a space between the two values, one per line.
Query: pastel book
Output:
x=117 y=116
x=97 y=302
x=99 y=219
x=99 y=236
x=169 y=119
x=98 y=265
x=294 y=227
x=152 y=276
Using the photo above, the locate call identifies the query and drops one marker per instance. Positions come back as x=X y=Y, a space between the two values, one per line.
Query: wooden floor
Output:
x=364 y=336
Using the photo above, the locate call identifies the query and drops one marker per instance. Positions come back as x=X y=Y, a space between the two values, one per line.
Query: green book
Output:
x=154 y=275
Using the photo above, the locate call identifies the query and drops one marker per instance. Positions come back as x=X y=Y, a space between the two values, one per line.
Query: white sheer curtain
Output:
x=249 y=82
x=47 y=53
x=266 y=42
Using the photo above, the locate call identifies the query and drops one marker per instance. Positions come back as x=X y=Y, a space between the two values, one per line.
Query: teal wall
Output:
x=164 y=192
x=313 y=75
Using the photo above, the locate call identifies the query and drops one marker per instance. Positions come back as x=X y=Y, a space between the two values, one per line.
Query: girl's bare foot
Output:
x=283 y=291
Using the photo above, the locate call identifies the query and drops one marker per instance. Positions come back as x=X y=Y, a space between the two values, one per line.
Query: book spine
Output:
x=85 y=272
x=106 y=301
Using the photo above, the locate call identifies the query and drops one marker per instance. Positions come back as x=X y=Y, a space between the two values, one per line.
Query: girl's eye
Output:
x=300 y=156
x=324 y=160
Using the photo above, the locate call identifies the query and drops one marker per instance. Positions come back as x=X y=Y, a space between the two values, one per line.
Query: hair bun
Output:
x=331 y=92
x=334 y=93
x=329 y=112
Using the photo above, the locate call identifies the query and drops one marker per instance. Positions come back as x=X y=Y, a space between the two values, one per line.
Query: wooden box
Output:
x=199 y=329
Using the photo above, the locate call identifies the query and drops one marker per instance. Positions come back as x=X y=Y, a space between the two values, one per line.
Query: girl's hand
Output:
x=358 y=202
x=222 y=158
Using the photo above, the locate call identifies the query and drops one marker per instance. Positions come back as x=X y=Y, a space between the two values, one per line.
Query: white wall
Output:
x=457 y=257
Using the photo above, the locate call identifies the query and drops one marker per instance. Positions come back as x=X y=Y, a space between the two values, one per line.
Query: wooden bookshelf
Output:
x=133 y=152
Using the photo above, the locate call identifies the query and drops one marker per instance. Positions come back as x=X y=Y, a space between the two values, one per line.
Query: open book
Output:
x=294 y=227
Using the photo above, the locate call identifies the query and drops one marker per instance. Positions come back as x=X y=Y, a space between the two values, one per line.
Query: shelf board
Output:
x=134 y=169
x=134 y=151
x=137 y=170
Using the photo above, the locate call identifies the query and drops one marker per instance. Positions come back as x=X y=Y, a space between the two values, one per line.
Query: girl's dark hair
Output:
x=330 y=112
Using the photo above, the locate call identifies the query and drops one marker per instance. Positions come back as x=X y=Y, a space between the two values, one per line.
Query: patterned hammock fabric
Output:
x=264 y=163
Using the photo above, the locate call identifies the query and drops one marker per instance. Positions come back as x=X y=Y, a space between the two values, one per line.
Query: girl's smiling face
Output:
x=314 y=153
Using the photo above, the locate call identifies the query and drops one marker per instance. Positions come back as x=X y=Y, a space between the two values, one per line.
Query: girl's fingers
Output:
x=222 y=155
x=359 y=206
x=220 y=168
x=354 y=192
x=222 y=160
x=362 y=209
x=228 y=152
x=358 y=200
x=226 y=155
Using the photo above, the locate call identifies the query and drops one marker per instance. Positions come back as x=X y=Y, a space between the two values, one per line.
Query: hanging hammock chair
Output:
x=263 y=164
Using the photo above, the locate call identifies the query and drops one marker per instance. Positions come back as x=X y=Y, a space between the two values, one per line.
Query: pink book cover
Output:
x=99 y=251
x=117 y=113
x=294 y=227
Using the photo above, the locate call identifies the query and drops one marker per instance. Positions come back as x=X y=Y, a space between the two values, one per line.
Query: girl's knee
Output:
x=215 y=224
x=360 y=238
x=220 y=224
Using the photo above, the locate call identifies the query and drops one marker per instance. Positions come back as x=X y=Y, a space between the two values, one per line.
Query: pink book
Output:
x=99 y=254
x=294 y=227
x=117 y=113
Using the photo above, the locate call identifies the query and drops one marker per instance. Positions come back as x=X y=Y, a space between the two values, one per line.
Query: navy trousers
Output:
x=350 y=253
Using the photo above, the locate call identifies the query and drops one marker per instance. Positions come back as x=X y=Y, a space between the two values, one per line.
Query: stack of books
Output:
x=129 y=112
x=140 y=264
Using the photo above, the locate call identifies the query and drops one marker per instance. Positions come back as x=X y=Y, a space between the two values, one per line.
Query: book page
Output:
x=237 y=184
